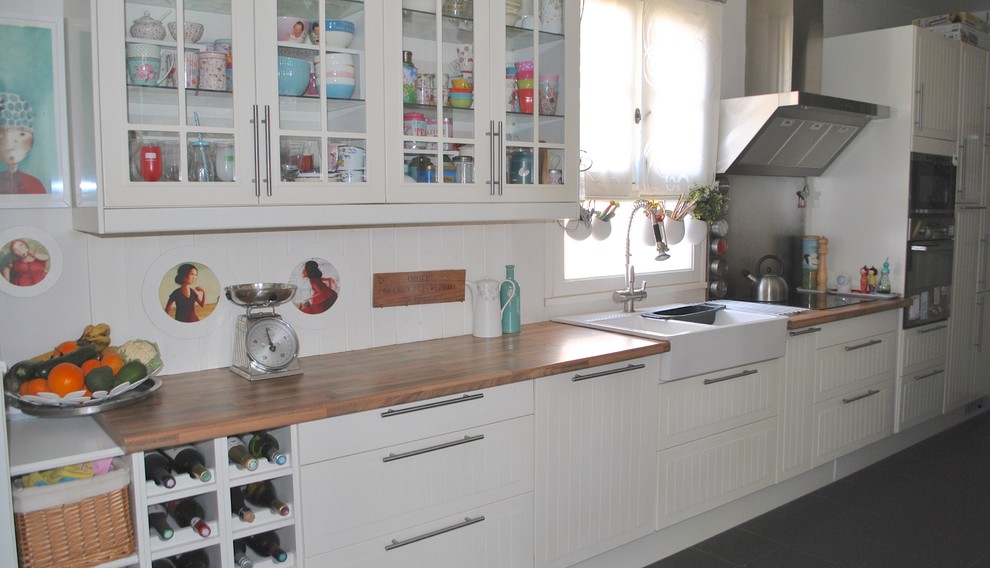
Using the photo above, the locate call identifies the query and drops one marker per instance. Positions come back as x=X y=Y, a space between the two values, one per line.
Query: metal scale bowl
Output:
x=265 y=345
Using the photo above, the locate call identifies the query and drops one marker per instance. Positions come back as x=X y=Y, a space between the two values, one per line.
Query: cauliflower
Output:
x=141 y=350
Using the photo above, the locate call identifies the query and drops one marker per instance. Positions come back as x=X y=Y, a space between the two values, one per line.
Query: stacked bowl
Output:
x=191 y=31
x=340 y=77
x=524 y=84
x=293 y=76
x=338 y=33
x=461 y=97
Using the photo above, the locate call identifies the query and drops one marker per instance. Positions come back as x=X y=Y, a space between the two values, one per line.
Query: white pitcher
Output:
x=487 y=312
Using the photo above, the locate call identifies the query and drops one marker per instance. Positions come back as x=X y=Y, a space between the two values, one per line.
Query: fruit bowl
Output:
x=78 y=398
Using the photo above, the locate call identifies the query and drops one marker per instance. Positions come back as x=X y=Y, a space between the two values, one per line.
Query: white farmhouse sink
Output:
x=735 y=338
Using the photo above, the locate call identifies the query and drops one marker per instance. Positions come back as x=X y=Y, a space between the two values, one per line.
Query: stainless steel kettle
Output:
x=769 y=287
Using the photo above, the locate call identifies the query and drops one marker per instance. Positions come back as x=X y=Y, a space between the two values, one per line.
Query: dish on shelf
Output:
x=78 y=398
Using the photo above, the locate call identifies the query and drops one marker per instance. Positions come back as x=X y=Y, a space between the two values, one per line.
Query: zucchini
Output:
x=30 y=369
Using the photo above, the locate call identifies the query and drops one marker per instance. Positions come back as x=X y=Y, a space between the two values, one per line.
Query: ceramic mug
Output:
x=192 y=68
x=465 y=57
x=552 y=16
x=169 y=63
x=143 y=71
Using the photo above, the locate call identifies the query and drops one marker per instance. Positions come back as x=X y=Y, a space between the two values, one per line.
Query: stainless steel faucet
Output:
x=630 y=295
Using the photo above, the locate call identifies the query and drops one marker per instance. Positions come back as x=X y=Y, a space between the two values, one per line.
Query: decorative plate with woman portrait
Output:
x=321 y=279
x=182 y=291
x=30 y=261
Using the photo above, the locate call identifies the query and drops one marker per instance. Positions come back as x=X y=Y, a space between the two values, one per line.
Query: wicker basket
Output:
x=81 y=523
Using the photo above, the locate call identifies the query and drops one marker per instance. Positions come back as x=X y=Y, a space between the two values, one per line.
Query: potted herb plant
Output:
x=710 y=204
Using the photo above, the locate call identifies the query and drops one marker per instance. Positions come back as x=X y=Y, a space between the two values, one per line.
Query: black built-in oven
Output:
x=931 y=237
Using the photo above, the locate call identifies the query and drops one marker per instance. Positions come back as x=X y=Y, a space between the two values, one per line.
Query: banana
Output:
x=96 y=335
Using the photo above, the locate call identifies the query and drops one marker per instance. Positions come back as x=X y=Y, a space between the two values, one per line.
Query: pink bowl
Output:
x=524 y=74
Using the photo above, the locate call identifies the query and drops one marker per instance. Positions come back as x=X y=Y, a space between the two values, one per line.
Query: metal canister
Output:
x=718 y=268
x=521 y=167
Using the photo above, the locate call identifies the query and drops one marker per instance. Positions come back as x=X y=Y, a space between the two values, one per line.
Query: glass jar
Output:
x=202 y=161
x=463 y=169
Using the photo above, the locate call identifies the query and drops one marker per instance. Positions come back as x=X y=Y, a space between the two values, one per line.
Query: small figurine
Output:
x=298 y=33
x=314 y=34
x=872 y=280
x=863 y=278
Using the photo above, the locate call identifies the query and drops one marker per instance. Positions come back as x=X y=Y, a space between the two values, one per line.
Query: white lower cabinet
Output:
x=443 y=482
x=596 y=440
x=497 y=535
x=718 y=439
x=921 y=385
x=854 y=384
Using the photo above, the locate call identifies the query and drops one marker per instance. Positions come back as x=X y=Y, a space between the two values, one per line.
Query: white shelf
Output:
x=37 y=444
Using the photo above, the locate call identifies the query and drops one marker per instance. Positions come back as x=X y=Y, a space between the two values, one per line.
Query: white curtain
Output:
x=664 y=58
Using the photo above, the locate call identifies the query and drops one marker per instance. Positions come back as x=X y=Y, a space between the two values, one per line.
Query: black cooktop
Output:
x=822 y=301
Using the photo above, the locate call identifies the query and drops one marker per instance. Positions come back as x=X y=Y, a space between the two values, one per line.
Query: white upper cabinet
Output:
x=972 y=123
x=936 y=86
x=290 y=113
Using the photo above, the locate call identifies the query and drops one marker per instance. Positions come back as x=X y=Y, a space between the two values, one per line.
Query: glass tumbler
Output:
x=202 y=160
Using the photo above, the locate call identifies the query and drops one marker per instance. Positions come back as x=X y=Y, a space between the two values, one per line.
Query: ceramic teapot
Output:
x=487 y=311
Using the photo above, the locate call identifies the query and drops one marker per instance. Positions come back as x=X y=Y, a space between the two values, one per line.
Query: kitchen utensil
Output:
x=265 y=345
x=487 y=311
x=769 y=287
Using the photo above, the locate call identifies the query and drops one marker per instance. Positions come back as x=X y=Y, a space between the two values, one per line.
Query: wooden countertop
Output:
x=210 y=404
x=819 y=317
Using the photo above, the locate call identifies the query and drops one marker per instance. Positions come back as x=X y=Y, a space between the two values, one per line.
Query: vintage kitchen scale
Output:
x=265 y=345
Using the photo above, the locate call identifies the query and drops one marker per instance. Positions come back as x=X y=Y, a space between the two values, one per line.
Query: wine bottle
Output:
x=188 y=460
x=238 y=507
x=163 y=563
x=262 y=494
x=193 y=559
x=238 y=453
x=264 y=445
x=158 y=520
x=157 y=468
x=241 y=559
x=267 y=544
x=189 y=513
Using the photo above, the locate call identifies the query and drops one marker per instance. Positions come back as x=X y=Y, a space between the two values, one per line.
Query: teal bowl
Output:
x=293 y=76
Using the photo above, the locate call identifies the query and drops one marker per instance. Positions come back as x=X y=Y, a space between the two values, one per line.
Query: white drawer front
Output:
x=706 y=473
x=844 y=424
x=354 y=433
x=925 y=346
x=851 y=329
x=848 y=366
x=503 y=539
x=922 y=393
x=354 y=498
x=707 y=404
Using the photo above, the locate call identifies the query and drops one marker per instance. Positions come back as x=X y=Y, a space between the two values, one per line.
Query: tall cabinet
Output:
x=246 y=125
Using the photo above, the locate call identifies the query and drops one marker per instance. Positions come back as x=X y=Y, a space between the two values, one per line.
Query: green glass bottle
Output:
x=508 y=293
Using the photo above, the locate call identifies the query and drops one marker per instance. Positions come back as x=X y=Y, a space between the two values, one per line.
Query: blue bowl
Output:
x=338 y=91
x=293 y=76
x=339 y=26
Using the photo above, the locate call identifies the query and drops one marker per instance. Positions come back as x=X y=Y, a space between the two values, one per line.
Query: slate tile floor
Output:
x=927 y=506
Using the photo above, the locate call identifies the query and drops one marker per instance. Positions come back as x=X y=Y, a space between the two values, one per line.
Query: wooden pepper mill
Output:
x=822 y=283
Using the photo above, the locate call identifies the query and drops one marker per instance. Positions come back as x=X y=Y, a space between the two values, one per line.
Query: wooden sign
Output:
x=410 y=288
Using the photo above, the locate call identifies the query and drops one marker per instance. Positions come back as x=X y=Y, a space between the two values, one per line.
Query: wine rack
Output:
x=214 y=497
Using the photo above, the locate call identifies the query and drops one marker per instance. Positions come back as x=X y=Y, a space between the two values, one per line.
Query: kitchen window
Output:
x=649 y=123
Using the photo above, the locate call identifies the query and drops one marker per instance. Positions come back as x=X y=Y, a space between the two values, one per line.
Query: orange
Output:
x=34 y=386
x=23 y=389
x=114 y=361
x=89 y=366
x=66 y=347
x=65 y=378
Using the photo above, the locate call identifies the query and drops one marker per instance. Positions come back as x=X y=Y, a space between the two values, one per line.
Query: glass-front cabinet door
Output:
x=321 y=100
x=176 y=130
x=225 y=102
x=539 y=134
x=463 y=124
x=438 y=75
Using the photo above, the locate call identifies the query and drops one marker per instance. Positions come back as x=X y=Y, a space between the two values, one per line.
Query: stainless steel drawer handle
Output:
x=862 y=345
x=932 y=374
x=465 y=398
x=931 y=329
x=467 y=522
x=445 y=445
x=805 y=331
x=629 y=367
x=870 y=392
x=745 y=373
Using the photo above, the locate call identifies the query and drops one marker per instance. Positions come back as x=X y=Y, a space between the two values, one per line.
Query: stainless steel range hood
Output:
x=783 y=127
